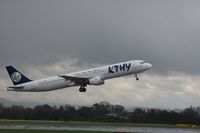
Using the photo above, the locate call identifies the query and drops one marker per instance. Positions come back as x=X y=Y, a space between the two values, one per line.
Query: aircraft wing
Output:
x=76 y=80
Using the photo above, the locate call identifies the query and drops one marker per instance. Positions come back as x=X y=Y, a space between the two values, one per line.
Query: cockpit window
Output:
x=142 y=62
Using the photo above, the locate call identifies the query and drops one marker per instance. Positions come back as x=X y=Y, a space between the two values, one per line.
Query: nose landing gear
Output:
x=136 y=77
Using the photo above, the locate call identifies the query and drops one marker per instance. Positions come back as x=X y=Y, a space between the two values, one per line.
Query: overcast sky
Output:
x=45 y=38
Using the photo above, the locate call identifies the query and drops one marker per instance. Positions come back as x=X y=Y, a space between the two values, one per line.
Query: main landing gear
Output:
x=82 y=88
x=136 y=77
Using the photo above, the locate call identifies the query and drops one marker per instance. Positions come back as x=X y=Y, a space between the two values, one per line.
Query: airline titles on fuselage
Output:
x=121 y=67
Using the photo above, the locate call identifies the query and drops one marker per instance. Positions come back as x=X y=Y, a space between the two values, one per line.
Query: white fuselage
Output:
x=103 y=73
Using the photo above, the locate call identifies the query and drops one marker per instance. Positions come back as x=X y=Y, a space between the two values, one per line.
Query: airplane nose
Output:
x=149 y=65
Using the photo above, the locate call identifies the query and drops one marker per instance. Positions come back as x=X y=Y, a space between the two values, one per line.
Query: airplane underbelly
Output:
x=52 y=85
x=118 y=74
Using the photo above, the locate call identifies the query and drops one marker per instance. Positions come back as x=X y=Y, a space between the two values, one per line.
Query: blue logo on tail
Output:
x=16 y=76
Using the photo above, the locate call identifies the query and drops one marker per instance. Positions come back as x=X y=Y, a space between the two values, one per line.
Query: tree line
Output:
x=102 y=111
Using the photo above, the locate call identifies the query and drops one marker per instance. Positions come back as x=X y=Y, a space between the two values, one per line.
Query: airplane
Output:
x=95 y=76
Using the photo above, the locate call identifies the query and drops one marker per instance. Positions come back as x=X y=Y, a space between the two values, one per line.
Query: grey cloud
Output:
x=165 y=33
x=48 y=37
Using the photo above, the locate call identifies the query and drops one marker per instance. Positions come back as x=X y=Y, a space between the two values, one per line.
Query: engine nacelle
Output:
x=96 y=81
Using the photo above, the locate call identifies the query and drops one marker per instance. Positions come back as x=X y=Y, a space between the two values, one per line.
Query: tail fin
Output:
x=16 y=76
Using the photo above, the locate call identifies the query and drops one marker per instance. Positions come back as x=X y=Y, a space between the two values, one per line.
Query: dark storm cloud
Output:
x=165 y=33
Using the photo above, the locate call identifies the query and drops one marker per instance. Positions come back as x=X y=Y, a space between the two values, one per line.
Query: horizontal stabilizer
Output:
x=16 y=87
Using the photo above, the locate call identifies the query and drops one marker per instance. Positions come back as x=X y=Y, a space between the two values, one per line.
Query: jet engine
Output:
x=96 y=81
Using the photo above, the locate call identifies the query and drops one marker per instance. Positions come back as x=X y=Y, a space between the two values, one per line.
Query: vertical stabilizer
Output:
x=16 y=76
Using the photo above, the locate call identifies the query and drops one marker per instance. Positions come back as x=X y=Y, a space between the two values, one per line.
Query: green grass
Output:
x=78 y=123
x=32 y=122
x=120 y=124
x=82 y=123
x=43 y=131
